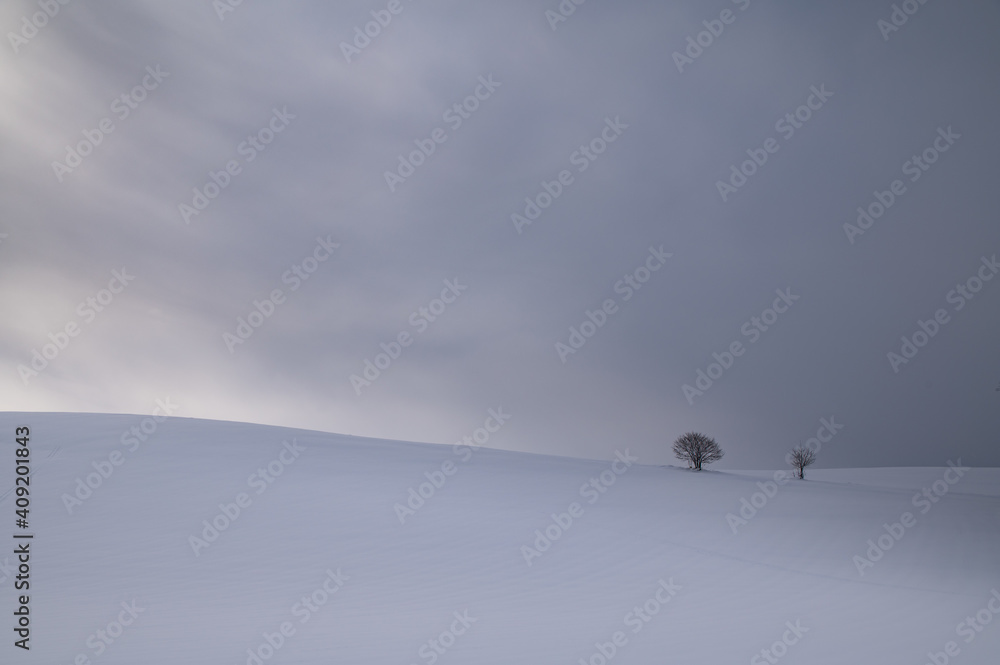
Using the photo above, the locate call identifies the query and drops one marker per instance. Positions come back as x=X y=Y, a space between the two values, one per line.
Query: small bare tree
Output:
x=697 y=449
x=800 y=458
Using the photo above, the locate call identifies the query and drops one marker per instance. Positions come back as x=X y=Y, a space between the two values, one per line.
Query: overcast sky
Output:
x=114 y=113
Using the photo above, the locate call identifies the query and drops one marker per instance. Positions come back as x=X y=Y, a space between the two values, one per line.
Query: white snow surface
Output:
x=331 y=510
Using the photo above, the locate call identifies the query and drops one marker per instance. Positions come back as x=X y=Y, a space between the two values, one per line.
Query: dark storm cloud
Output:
x=543 y=94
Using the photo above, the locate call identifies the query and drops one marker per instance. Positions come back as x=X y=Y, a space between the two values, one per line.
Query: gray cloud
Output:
x=323 y=176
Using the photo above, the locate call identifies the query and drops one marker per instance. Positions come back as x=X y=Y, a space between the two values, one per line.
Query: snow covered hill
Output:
x=193 y=541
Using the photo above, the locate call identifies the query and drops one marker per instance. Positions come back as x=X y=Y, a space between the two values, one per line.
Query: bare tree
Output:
x=800 y=458
x=697 y=449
